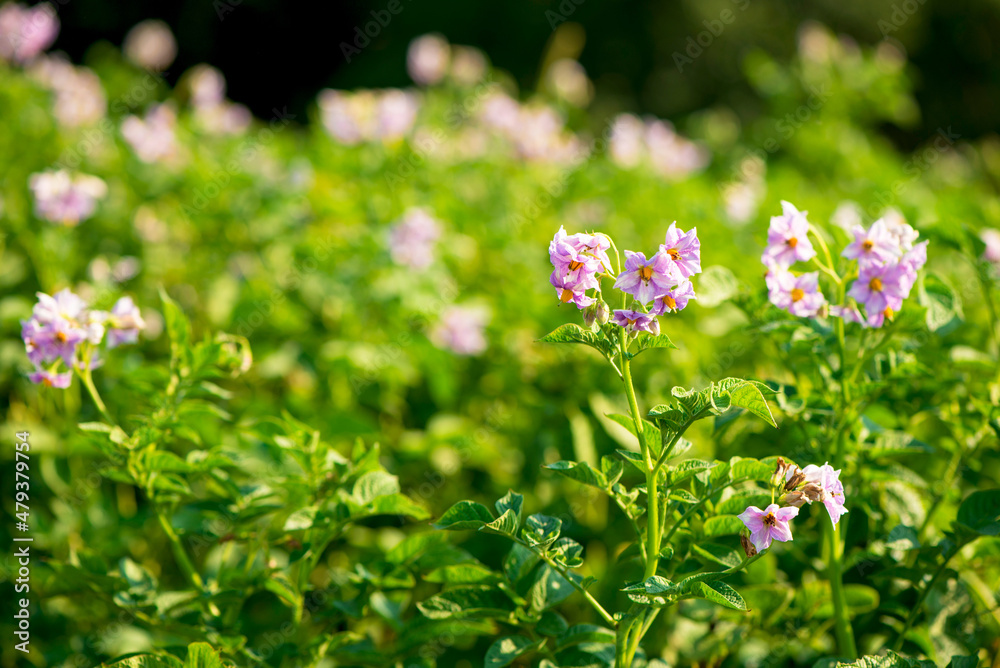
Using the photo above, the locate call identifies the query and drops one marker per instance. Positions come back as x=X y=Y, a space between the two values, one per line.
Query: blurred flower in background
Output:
x=567 y=80
x=462 y=330
x=655 y=141
x=64 y=198
x=412 y=239
x=26 y=31
x=991 y=238
x=152 y=138
x=79 y=95
x=368 y=115
x=427 y=59
x=212 y=111
x=151 y=45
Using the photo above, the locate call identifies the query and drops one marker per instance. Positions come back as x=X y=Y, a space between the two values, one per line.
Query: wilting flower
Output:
x=799 y=295
x=991 y=238
x=461 y=330
x=427 y=59
x=881 y=289
x=26 y=31
x=787 y=238
x=412 y=239
x=124 y=323
x=65 y=199
x=830 y=489
x=769 y=524
x=876 y=245
x=151 y=45
x=675 y=299
x=647 y=279
x=636 y=321
x=152 y=138
x=684 y=250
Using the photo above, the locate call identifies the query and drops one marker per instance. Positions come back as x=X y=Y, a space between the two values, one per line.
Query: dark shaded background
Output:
x=280 y=53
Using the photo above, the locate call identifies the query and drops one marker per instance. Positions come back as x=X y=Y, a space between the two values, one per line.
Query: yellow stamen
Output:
x=574 y=265
x=888 y=312
x=670 y=301
x=61 y=337
x=792 y=242
x=769 y=520
x=566 y=296
x=875 y=284
x=868 y=245
x=797 y=294
x=674 y=254
x=646 y=273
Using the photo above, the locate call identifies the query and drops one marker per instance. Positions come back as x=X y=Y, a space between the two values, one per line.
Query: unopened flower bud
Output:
x=748 y=547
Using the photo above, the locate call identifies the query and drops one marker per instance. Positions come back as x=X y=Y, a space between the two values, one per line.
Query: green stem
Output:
x=842 y=621
x=86 y=377
x=180 y=554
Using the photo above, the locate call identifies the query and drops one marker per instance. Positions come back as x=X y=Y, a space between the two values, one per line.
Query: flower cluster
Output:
x=412 y=239
x=537 y=132
x=659 y=285
x=25 y=32
x=152 y=138
x=368 y=115
x=797 y=487
x=888 y=258
x=64 y=198
x=62 y=334
x=671 y=155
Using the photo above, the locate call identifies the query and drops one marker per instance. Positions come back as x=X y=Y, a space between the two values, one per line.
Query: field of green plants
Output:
x=387 y=385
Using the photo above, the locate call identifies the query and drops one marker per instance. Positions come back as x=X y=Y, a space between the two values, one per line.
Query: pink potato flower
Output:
x=787 y=238
x=683 y=249
x=769 y=524
x=64 y=198
x=648 y=279
x=799 y=295
x=25 y=32
x=462 y=330
x=675 y=299
x=876 y=245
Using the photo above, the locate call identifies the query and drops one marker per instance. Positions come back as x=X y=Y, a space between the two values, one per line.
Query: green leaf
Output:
x=682 y=496
x=963 y=662
x=944 y=306
x=394 y=504
x=467 y=601
x=748 y=395
x=568 y=553
x=890 y=660
x=201 y=655
x=145 y=661
x=581 y=472
x=464 y=516
x=505 y=525
x=178 y=329
x=458 y=574
x=647 y=341
x=980 y=511
x=722 y=525
x=860 y=598
x=721 y=593
x=584 y=633
x=719 y=554
x=549 y=589
x=510 y=501
x=748 y=467
x=650 y=432
x=282 y=586
x=655 y=591
x=686 y=469
x=570 y=333
x=542 y=530
x=506 y=650
x=737 y=503
x=373 y=485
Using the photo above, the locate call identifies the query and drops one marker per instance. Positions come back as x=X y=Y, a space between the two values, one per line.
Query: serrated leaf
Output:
x=202 y=655
x=748 y=395
x=686 y=469
x=567 y=552
x=510 y=501
x=464 y=516
x=890 y=660
x=505 y=525
x=682 y=496
x=373 y=485
x=646 y=341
